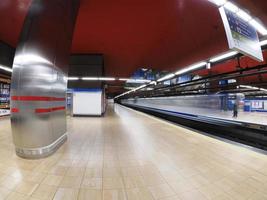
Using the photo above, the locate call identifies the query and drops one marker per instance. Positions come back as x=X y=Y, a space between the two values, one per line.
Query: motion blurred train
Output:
x=197 y=104
x=212 y=114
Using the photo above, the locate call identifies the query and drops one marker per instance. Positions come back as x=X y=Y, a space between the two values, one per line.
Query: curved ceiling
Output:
x=158 y=34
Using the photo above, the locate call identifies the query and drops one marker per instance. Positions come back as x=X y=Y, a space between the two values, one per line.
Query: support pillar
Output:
x=39 y=83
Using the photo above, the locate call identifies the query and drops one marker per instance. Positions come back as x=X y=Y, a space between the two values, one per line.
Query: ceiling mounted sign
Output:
x=241 y=35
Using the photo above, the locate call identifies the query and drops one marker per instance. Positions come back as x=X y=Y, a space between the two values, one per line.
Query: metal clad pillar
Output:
x=39 y=82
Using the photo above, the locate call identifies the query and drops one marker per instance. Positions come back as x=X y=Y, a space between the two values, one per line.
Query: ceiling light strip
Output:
x=223 y=56
x=5 y=68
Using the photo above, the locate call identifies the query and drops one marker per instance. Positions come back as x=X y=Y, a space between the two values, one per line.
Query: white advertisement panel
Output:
x=87 y=103
x=241 y=35
x=4 y=112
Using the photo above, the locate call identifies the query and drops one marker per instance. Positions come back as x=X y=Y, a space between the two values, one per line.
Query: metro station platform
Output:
x=128 y=155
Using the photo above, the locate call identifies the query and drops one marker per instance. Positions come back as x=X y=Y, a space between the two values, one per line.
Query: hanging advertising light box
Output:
x=241 y=35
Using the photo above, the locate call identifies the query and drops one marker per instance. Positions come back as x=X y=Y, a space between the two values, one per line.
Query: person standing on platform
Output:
x=235 y=110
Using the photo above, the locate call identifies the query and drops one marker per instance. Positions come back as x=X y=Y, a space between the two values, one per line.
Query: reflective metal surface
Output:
x=38 y=86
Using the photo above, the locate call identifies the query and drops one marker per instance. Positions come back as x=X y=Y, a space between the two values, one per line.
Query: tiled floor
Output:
x=128 y=155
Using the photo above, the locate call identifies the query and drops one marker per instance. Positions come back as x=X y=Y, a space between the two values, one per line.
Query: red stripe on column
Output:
x=15 y=98
x=14 y=110
x=58 y=99
x=42 y=110
x=30 y=98
x=36 y=98
x=58 y=108
x=48 y=110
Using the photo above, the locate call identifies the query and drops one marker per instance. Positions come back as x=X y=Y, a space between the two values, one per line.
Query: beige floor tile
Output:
x=32 y=198
x=161 y=191
x=134 y=182
x=16 y=196
x=192 y=195
x=93 y=172
x=92 y=183
x=9 y=182
x=87 y=194
x=139 y=194
x=35 y=177
x=58 y=170
x=75 y=171
x=26 y=188
x=211 y=191
x=130 y=171
x=71 y=182
x=79 y=162
x=20 y=174
x=171 y=198
x=44 y=192
x=152 y=179
x=226 y=184
x=4 y=193
x=148 y=169
x=66 y=194
x=113 y=183
x=181 y=186
x=128 y=163
x=223 y=197
x=52 y=180
x=198 y=181
x=117 y=194
x=171 y=175
x=258 y=196
x=112 y=172
x=241 y=192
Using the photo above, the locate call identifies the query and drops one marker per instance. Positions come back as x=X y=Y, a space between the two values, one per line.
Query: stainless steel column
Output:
x=39 y=82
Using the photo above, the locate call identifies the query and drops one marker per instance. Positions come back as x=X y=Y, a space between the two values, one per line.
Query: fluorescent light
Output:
x=190 y=68
x=135 y=89
x=106 y=79
x=253 y=88
x=138 y=81
x=263 y=42
x=124 y=79
x=98 y=79
x=135 y=80
x=140 y=87
x=230 y=6
x=249 y=87
x=169 y=76
x=5 y=68
x=223 y=56
x=72 y=78
x=89 y=78
x=243 y=15
x=260 y=28
x=218 y=2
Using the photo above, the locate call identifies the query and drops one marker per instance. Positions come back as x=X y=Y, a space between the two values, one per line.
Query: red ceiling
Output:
x=147 y=33
x=159 y=34
x=12 y=14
